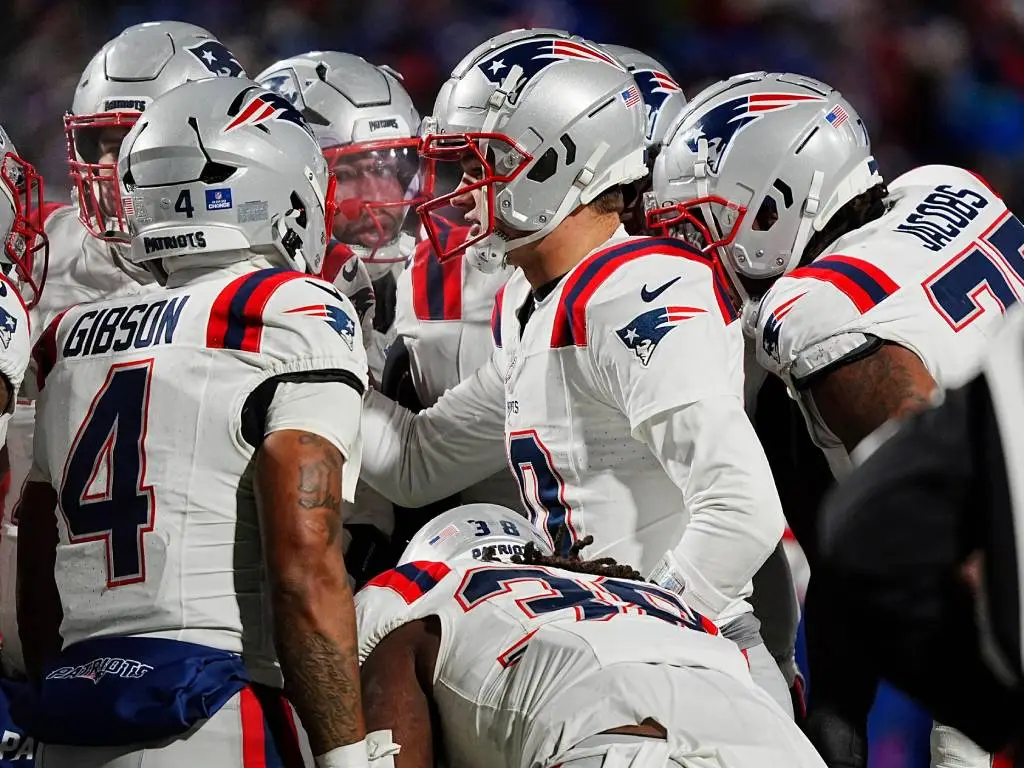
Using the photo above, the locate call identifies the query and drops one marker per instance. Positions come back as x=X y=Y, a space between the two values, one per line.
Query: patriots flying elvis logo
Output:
x=644 y=332
x=8 y=327
x=284 y=83
x=773 y=326
x=217 y=58
x=722 y=124
x=656 y=88
x=335 y=317
x=533 y=56
x=267 y=106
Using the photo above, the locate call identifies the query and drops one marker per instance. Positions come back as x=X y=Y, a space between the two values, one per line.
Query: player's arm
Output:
x=397 y=678
x=686 y=405
x=710 y=451
x=304 y=425
x=859 y=395
x=414 y=459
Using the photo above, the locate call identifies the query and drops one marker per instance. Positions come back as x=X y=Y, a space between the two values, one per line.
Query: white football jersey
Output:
x=147 y=418
x=81 y=268
x=514 y=639
x=638 y=328
x=357 y=280
x=620 y=403
x=935 y=274
x=443 y=314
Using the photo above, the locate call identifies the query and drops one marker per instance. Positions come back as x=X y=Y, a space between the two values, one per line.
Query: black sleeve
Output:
x=893 y=538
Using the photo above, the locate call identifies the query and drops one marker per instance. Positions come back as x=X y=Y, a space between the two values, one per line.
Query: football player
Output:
x=484 y=642
x=865 y=299
x=180 y=531
x=367 y=126
x=88 y=249
x=775 y=595
x=23 y=260
x=615 y=384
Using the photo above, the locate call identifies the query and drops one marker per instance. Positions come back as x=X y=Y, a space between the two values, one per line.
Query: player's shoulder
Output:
x=405 y=593
x=282 y=314
x=796 y=312
x=639 y=276
x=928 y=177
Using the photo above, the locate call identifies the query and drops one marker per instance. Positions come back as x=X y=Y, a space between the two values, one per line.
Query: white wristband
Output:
x=348 y=756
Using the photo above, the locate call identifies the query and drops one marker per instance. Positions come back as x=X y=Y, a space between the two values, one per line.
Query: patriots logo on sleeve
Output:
x=335 y=317
x=8 y=327
x=533 y=56
x=721 y=125
x=773 y=327
x=645 y=331
x=267 y=106
x=217 y=58
x=656 y=88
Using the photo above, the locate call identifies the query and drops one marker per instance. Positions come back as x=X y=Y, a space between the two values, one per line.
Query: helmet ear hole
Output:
x=545 y=167
x=767 y=214
x=299 y=206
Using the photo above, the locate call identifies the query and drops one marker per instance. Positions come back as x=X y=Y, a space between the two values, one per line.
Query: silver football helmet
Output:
x=664 y=101
x=24 y=256
x=368 y=128
x=220 y=168
x=757 y=164
x=466 y=531
x=128 y=73
x=663 y=96
x=553 y=119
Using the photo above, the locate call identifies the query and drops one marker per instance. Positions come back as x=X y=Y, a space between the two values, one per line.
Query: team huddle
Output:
x=341 y=437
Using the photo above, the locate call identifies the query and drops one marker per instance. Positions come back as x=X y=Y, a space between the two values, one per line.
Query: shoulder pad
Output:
x=394 y=598
x=799 y=326
x=656 y=266
x=291 y=319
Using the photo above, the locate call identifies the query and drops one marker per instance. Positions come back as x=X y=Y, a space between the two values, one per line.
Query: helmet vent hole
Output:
x=570 y=149
x=601 y=107
x=804 y=142
x=216 y=173
x=545 y=167
x=787 y=192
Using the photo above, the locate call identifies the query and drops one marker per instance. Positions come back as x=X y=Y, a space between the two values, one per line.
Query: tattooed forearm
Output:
x=855 y=399
x=298 y=493
x=322 y=684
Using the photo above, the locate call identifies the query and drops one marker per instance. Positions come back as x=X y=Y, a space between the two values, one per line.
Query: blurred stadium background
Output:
x=935 y=81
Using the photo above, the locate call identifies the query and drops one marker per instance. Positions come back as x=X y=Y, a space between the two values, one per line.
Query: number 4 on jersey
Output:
x=104 y=496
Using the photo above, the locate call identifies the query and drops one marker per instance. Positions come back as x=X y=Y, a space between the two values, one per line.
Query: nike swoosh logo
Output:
x=652 y=295
x=330 y=291
x=348 y=274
